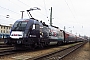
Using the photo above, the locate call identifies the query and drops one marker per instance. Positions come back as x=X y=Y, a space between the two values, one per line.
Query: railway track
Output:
x=5 y=49
x=58 y=55
x=7 y=52
x=4 y=46
x=40 y=54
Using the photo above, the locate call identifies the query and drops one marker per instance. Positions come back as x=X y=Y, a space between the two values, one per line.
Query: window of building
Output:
x=4 y=27
x=7 y=32
x=1 y=27
x=1 y=31
x=7 y=27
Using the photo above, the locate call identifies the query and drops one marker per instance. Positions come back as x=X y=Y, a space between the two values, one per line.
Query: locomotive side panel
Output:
x=28 y=33
x=56 y=36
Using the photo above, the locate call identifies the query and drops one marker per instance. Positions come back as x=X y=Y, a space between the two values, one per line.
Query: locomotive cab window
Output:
x=37 y=26
x=20 y=25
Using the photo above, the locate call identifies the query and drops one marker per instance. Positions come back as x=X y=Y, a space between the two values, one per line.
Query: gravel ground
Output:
x=80 y=54
x=27 y=55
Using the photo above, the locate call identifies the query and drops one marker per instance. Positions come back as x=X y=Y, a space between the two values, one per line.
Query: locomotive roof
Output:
x=31 y=20
x=26 y=19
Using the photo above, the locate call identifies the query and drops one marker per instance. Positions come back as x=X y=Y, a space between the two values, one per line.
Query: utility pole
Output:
x=51 y=17
x=64 y=28
x=22 y=14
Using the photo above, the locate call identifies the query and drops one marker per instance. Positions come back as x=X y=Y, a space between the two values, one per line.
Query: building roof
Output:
x=5 y=25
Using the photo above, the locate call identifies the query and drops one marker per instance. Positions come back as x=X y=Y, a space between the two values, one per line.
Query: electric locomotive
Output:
x=32 y=33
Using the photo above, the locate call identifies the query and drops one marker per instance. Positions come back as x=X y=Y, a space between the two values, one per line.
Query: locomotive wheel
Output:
x=41 y=45
x=17 y=48
x=60 y=43
x=47 y=43
x=7 y=42
x=33 y=46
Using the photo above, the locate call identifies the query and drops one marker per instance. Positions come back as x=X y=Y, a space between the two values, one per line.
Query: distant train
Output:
x=31 y=33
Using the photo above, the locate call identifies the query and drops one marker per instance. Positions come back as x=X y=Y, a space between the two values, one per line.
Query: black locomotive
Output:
x=31 y=33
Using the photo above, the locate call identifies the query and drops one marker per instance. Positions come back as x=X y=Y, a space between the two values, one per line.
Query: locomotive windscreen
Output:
x=19 y=26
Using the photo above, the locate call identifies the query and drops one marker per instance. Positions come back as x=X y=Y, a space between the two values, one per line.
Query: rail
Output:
x=57 y=55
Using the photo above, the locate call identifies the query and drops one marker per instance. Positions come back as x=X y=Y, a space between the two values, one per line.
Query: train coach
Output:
x=30 y=33
x=69 y=37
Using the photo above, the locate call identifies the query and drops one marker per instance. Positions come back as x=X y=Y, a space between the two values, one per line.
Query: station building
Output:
x=5 y=29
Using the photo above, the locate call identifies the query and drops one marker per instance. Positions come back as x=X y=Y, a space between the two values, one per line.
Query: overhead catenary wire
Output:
x=16 y=4
x=46 y=15
x=42 y=7
x=6 y=17
x=69 y=8
x=45 y=7
x=3 y=19
x=9 y=10
x=30 y=6
x=23 y=3
x=73 y=9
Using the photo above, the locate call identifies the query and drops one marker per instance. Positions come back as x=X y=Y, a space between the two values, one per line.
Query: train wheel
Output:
x=60 y=43
x=7 y=42
x=17 y=48
x=33 y=46
x=47 y=43
x=41 y=45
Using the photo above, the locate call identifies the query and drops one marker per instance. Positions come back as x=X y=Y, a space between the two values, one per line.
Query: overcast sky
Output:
x=73 y=14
